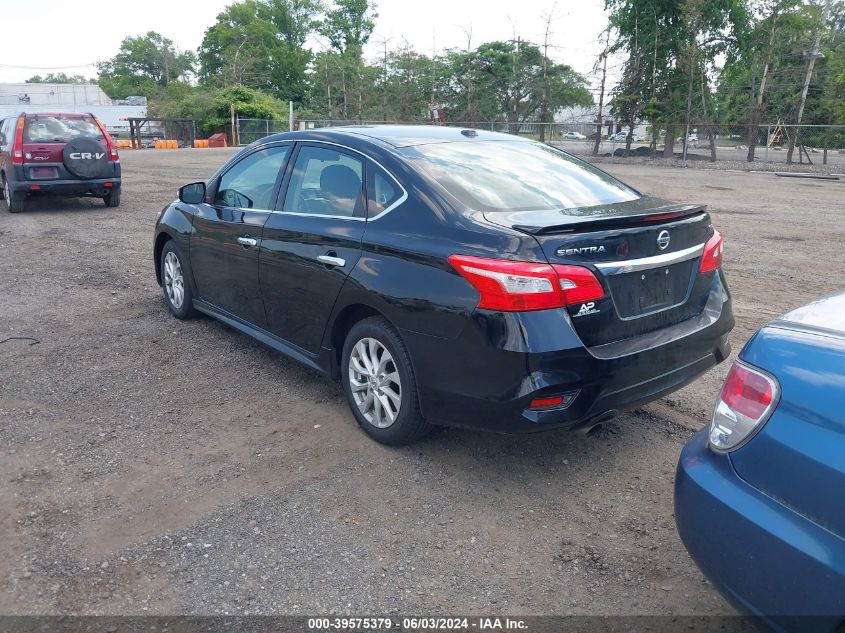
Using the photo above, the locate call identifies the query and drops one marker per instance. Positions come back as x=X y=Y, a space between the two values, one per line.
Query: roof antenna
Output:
x=469 y=133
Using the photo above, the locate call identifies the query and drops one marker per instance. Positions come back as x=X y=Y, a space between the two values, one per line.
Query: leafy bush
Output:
x=210 y=108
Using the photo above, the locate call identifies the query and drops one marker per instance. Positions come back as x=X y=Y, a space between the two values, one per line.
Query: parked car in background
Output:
x=451 y=276
x=759 y=493
x=55 y=154
x=574 y=136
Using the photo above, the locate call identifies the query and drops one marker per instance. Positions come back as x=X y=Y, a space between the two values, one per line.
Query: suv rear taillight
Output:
x=711 y=259
x=745 y=403
x=17 y=146
x=110 y=146
x=513 y=286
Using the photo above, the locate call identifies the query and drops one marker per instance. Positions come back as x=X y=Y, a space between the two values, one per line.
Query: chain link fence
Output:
x=764 y=145
x=250 y=130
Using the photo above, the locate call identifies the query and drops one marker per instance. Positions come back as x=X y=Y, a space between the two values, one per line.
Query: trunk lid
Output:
x=645 y=253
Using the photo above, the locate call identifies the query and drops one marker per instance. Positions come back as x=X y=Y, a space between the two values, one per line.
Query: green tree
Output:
x=670 y=46
x=143 y=65
x=211 y=107
x=60 y=78
x=261 y=44
x=348 y=25
x=509 y=82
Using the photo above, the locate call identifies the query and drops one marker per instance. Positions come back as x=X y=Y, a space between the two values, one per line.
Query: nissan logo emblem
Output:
x=663 y=240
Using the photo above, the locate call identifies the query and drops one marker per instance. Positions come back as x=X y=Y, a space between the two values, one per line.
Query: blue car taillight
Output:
x=745 y=403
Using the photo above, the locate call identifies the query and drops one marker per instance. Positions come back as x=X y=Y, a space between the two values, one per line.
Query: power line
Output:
x=14 y=66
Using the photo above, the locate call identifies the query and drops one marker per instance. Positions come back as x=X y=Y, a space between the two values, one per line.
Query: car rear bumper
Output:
x=94 y=187
x=488 y=376
x=763 y=557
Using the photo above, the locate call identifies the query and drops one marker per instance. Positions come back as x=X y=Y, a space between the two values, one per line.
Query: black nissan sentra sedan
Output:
x=451 y=277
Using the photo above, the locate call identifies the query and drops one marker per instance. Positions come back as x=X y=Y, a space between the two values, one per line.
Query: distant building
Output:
x=16 y=98
x=583 y=120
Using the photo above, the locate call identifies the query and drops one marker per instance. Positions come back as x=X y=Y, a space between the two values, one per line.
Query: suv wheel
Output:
x=379 y=383
x=14 y=203
x=113 y=199
x=174 y=285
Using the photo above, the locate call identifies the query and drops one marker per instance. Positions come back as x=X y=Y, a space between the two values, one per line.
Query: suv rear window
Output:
x=56 y=128
x=517 y=176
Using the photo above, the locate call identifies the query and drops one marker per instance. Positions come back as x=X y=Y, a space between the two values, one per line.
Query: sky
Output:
x=72 y=36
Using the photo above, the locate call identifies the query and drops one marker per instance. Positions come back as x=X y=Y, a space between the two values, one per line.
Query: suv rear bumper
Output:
x=488 y=376
x=93 y=187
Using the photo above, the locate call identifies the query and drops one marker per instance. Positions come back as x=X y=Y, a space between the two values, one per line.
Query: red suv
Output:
x=57 y=154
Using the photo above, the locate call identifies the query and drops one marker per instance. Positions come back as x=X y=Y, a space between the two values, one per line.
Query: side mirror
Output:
x=193 y=193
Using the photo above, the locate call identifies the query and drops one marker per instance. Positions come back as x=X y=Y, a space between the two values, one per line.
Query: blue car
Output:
x=760 y=493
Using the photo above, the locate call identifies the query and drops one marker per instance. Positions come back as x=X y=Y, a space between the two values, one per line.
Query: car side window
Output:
x=382 y=190
x=250 y=182
x=325 y=182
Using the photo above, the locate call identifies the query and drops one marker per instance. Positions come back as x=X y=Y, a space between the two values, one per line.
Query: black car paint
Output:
x=474 y=368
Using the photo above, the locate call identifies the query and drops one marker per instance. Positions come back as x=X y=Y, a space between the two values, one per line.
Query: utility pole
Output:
x=758 y=104
x=814 y=54
x=514 y=97
x=599 y=121
x=544 y=102
x=384 y=42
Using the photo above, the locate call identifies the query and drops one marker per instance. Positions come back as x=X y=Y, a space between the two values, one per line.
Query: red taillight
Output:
x=110 y=146
x=544 y=403
x=745 y=402
x=513 y=286
x=711 y=259
x=578 y=284
x=747 y=392
x=17 y=146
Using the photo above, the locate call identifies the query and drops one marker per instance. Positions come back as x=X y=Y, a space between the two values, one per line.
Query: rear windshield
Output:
x=56 y=128
x=517 y=176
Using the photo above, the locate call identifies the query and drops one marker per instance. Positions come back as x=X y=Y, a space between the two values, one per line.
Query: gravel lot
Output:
x=155 y=466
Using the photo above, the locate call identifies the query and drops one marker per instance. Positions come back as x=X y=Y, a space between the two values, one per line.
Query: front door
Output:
x=312 y=243
x=227 y=233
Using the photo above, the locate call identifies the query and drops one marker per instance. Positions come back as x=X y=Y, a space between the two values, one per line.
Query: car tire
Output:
x=14 y=203
x=371 y=381
x=113 y=199
x=174 y=283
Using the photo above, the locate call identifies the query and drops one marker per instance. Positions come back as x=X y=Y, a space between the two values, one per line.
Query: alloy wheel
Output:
x=375 y=383
x=174 y=281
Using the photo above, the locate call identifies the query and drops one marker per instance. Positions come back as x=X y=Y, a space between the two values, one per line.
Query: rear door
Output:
x=227 y=233
x=312 y=242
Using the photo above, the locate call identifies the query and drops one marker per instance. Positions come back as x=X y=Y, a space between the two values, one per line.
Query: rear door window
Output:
x=382 y=190
x=57 y=128
x=325 y=182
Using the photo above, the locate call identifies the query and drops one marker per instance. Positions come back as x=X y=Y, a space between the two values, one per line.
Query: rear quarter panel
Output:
x=798 y=457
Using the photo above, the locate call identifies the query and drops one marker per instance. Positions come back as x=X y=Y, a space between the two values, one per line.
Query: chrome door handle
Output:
x=247 y=241
x=328 y=260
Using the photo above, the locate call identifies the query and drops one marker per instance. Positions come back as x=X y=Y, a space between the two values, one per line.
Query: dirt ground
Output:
x=153 y=466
